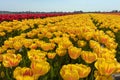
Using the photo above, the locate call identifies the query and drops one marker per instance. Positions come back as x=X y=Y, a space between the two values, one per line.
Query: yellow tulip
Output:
x=104 y=39
x=10 y=60
x=81 y=43
x=1 y=50
x=51 y=55
x=65 y=43
x=57 y=34
x=88 y=35
x=39 y=42
x=48 y=35
x=8 y=43
x=69 y=72
x=2 y=33
x=33 y=46
x=83 y=70
x=47 y=46
x=108 y=56
x=17 y=45
x=88 y=57
x=40 y=68
x=56 y=40
x=105 y=67
x=11 y=51
x=27 y=42
x=23 y=74
x=40 y=36
x=74 y=52
x=110 y=33
x=61 y=51
x=118 y=68
x=94 y=44
x=36 y=55
x=98 y=76
x=74 y=71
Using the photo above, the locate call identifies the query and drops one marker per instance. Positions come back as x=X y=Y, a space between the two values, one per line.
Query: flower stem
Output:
x=7 y=74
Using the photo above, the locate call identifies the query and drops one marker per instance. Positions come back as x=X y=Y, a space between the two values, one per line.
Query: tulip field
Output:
x=60 y=47
x=9 y=17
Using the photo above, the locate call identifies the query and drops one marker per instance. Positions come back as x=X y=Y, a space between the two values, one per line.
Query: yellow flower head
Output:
x=36 y=55
x=65 y=42
x=108 y=55
x=69 y=72
x=33 y=46
x=51 y=55
x=40 y=68
x=74 y=71
x=56 y=40
x=23 y=74
x=83 y=70
x=48 y=46
x=2 y=33
x=27 y=42
x=61 y=51
x=8 y=43
x=17 y=45
x=74 y=52
x=105 y=67
x=48 y=35
x=10 y=60
x=81 y=43
x=101 y=77
x=88 y=57
x=11 y=51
